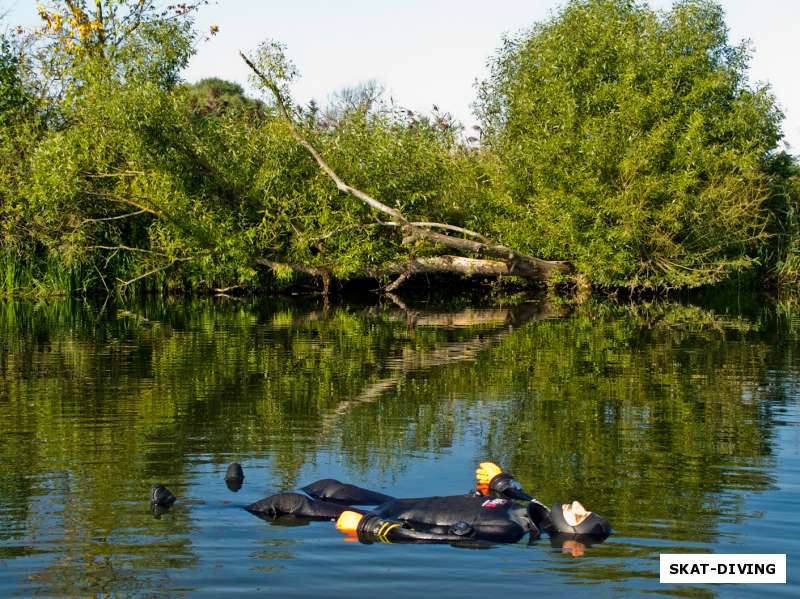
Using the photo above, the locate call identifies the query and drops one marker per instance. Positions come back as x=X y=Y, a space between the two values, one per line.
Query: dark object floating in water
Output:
x=234 y=477
x=161 y=496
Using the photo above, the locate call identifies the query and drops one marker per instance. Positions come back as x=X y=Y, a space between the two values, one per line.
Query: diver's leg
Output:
x=371 y=527
x=295 y=504
x=332 y=490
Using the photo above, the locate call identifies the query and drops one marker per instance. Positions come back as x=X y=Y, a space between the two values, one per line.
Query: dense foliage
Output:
x=623 y=140
x=633 y=142
x=12 y=93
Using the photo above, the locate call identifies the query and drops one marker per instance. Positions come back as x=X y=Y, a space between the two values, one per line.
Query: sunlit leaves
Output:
x=271 y=60
x=634 y=145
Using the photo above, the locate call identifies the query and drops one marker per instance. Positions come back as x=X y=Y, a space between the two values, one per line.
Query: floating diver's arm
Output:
x=539 y=513
x=491 y=478
x=371 y=528
x=295 y=504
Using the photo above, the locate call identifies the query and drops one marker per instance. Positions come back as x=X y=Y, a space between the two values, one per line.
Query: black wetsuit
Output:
x=449 y=519
x=491 y=514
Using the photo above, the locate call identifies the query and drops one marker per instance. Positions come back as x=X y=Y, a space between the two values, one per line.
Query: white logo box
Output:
x=725 y=568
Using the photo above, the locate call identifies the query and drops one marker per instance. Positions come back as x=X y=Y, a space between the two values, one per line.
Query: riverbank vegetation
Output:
x=619 y=147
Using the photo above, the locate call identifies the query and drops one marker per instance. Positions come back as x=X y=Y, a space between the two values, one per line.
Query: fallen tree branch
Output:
x=395 y=285
x=129 y=202
x=432 y=225
x=518 y=264
x=113 y=175
x=121 y=216
x=340 y=184
x=467 y=267
x=124 y=284
x=124 y=248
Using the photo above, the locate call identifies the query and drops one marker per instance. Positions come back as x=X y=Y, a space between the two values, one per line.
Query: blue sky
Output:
x=431 y=52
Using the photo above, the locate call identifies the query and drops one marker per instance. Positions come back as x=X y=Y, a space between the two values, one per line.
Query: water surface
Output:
x=677 y=422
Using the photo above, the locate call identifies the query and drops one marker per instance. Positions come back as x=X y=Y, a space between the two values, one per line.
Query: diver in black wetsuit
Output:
x=489 y=514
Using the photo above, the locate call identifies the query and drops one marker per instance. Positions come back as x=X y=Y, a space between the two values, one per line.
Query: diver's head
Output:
x=574 y=513
x=573 y=518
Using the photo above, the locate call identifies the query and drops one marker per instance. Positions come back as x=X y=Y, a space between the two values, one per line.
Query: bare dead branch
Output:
x=124 y=248
x=433 y=225
x=468 y=267
x=172 y=263
x=100 y=220
x=114 y=175
x=129 y=202
x=398 y=282
x=340 y=185
x=466 y=232
x=102 y=278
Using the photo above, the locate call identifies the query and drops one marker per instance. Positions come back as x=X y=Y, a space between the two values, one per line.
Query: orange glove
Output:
x=486 y=472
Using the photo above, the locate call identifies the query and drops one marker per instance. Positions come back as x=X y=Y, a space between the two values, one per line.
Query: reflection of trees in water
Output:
x=675 y=397
x=411 y=361
x=104 y=549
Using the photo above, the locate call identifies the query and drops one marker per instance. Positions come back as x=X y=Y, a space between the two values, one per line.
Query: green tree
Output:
x=12 y=92
x=215 y=97
x=188 y=186
x=101 y=74
x=633 y=143
x=20 y=128
x=126 y=39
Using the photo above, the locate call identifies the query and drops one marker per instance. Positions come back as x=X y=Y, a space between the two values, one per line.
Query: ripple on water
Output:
x=685 y=436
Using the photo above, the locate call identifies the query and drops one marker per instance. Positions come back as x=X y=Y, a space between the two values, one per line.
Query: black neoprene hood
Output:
x=594 y=525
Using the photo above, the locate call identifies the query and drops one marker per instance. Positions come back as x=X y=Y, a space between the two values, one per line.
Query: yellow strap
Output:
x=379 y=534
x=385 y=529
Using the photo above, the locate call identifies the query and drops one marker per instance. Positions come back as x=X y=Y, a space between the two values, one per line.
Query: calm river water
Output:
x=678 y=422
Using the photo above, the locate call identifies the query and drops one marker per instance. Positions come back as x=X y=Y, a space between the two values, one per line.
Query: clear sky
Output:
x=432 y=51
